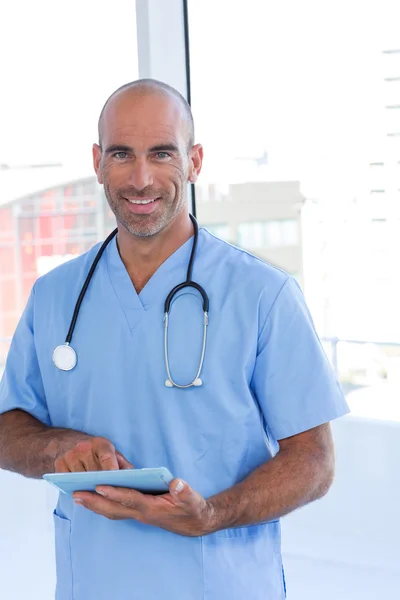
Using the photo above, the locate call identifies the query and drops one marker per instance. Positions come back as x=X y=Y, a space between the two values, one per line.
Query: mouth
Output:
x=141 y=201
x=142 y=205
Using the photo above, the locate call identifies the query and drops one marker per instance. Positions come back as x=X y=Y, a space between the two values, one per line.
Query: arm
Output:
x=30 y=448
x=300 y=473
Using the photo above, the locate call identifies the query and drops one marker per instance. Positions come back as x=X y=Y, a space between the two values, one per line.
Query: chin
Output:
x=142 y=233
x=150 y=230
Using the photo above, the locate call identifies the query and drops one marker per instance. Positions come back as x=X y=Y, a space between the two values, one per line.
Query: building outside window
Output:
x=220 y=230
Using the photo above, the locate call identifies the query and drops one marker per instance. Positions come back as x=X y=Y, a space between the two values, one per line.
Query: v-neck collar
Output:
x=171 y=272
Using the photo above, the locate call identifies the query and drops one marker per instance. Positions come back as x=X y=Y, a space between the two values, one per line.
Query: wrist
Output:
x=219 y=515
x=228 y=509
x=211 y=518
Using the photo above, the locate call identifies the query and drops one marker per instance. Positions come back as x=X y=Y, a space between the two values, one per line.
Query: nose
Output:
x=141 y=174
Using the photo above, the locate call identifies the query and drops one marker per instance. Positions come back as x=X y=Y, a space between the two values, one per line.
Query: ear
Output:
x=97 y=153
x=195 y=162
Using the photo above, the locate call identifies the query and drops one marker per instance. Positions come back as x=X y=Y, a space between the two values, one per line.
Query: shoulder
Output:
x=65 y=276
x=244 y=269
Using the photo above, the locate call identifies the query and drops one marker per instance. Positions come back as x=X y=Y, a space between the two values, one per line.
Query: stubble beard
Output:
x=148 y=227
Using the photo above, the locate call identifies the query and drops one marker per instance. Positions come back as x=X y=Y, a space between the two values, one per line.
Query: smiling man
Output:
x=248 y=442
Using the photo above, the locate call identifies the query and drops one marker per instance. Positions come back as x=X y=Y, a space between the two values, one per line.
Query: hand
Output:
x=91 y=454
x=182 y=510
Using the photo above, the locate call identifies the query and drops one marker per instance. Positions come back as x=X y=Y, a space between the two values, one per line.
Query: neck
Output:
x=142 y=256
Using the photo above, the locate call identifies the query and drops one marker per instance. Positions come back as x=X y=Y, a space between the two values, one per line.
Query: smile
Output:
x=147 y=201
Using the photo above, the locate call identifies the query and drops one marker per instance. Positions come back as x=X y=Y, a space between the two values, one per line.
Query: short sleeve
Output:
x=293 y=380
x=21 y=386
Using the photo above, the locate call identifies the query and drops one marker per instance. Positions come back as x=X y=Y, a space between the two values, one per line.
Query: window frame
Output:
x=163 y=50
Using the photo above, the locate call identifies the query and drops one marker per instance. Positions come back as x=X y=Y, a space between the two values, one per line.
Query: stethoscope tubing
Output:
x=167 y=307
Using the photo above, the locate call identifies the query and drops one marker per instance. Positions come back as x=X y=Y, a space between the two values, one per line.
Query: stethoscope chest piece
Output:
x=197 y=382
x=64 y=357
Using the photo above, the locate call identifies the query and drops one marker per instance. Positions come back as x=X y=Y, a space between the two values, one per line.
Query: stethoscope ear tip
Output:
x=168 y=383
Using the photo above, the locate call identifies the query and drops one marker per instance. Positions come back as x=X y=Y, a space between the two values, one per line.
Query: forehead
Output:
x=140 y=118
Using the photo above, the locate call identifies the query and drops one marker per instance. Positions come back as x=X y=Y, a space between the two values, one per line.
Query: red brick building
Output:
x=38 y=232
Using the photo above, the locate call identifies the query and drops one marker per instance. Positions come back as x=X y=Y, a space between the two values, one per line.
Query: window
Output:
x=283 y=97
x=60 y=62
x=271 y=234
x=221 y=231
x=380 y=235
x=290 y=104
x=50 y=201
x=245 y=235
x=289 y=233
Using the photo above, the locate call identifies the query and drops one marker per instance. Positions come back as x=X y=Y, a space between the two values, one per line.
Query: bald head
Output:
x=147 y=157
x=148 y=87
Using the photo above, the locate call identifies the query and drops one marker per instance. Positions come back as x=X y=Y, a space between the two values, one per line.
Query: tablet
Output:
x=147 y=481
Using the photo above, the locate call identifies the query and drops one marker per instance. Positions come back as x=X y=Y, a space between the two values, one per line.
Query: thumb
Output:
x=180 y=489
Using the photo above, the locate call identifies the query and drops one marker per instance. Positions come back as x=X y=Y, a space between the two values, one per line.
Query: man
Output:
x=249 y=445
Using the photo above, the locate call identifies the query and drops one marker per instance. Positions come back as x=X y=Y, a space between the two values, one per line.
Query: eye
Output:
x=163 y=155
x=120 y=155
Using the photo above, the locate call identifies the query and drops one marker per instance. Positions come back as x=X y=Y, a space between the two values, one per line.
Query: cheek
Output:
x=114 y=177
x=170 y=180
x=178 y=176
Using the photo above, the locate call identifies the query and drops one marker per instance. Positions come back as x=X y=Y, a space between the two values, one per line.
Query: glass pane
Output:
x=47 y=184
x=221 y=231
x=297 y=106
x=290 y=233
x=60 y=62
x=273 y=234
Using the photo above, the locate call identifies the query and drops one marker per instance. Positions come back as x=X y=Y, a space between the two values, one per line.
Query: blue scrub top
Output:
x=265 y=377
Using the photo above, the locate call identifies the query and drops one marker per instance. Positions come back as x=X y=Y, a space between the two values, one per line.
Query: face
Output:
x=144 y=161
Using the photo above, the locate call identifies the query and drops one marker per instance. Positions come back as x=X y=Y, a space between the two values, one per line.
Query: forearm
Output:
x=29 y=447
x=295 y=477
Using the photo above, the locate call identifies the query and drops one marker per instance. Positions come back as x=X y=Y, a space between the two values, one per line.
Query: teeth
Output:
x=141 y=201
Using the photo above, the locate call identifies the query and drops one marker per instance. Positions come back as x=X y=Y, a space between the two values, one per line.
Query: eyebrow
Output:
x=117 y=148
x=159 y=148
x=164 y=148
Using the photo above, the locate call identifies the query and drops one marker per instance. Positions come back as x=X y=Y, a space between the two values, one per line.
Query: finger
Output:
x=73 y=462
x=104 y=506
x=125 y=496
x=84 y=451
x=90 y=463
x=123 y=463
x=60 y=466
x=106 y=455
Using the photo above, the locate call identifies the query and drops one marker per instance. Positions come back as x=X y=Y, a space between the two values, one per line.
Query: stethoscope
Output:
x=65 y=357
